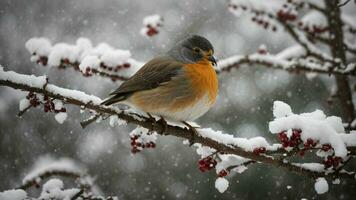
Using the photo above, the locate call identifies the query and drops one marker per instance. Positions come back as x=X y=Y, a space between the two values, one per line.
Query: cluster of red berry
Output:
x=151 y=31
x=286 y=15
x=115 y=69
x=332 y=161
x=310 y=143
x=259 y=150
x=263 y=23
x=49 y=106
x=87 y=72
x=293 y=141
x=207 y=163
x=314 y=29
x=223 y=173
x=42 y=60
x=139 y=146
x=34 y=100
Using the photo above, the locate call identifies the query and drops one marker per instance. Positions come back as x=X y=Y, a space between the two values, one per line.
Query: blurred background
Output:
x=170 y=171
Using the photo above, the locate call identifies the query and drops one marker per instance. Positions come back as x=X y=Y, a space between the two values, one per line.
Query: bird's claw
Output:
x=161 y=122
x=192 y=131
x=164 y=124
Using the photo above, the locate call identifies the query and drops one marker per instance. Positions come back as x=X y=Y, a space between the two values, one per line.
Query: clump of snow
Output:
x=321 y=186
x=39 y=46
x=61 y=117
x=227 y=160
x=153 y=20
x=52 y=184
x=24 y=103
x=314 y=125
x=116 y=121
x=114 y=58
x=314 y=18
x=83 y=53
x=16 y=194
x=145 y=136
x=31 y=80
x=221 y=184
x=336 y=181
x=151 y=24
x=53 y=189
x=316 y=167
x=291 y=52
x=246 y=144
x=58 y=104
x=281 y=109
x=102 y=48
x=89 y=62
x=62 y=51
x=84 y=44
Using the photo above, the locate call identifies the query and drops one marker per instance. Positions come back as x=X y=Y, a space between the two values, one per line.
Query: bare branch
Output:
x=344 y=3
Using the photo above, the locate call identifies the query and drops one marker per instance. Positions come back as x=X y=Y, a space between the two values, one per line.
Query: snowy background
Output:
x=170 y=170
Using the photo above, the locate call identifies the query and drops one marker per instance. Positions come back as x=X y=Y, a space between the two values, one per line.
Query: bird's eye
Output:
x=196 y=50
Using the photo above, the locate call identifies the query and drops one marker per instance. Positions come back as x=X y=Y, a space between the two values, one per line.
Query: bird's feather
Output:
x=151 y=75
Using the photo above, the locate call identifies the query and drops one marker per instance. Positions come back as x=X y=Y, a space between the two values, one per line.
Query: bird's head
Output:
x=193 y=49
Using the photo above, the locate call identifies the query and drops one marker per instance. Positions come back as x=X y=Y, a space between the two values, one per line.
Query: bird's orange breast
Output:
x=203 y=78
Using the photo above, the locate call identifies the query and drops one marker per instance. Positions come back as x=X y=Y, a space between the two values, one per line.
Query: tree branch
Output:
x=337 y=49
x=271 y=61
x=35 y=84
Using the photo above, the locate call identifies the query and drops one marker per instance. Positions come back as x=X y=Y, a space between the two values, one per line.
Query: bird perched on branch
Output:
x=181 y=85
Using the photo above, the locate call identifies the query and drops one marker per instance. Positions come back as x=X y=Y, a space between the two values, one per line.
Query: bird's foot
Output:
x=152 y=120
x=162 y=122
x=192 y=131
x=164 y=125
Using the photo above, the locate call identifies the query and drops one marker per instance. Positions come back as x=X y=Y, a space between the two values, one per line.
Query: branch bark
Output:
x=337 y=49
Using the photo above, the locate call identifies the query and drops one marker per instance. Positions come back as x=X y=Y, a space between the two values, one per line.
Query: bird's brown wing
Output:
x=150 y=76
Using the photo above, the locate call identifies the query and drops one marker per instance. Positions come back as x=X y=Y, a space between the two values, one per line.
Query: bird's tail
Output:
x=113 y=99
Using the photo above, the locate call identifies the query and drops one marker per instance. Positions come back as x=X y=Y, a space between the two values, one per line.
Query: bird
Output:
x=180 y=85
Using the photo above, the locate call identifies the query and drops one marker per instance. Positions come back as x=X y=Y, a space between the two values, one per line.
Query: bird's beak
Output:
x=212 y=60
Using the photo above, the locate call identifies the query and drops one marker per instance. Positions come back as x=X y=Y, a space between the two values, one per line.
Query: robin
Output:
x=180 y=86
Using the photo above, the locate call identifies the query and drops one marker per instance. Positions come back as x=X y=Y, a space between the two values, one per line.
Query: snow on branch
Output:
x=286 y=15
x=298 y=134
x=102 y=60
x=279 y=62
x=53 y=188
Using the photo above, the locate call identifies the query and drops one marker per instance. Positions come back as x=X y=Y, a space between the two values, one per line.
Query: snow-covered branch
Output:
x=279 y=62
x=218 y=150
x=102 y=60
x=47 y=173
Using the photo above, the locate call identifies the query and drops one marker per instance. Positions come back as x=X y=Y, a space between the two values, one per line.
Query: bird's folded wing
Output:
x=151 y=75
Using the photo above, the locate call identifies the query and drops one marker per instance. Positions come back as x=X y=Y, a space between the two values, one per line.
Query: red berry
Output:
x=126 y=65
x=326 y=147
x=153 y=145
x=222 y=173
x=152 y=31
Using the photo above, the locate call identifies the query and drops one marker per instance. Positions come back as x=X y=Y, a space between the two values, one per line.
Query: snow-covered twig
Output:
x=274 y=62
x=214 y=139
